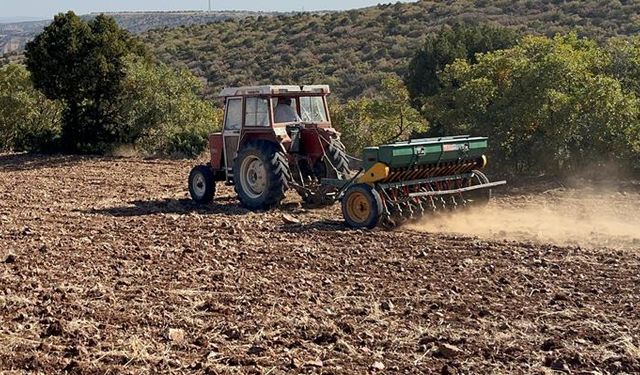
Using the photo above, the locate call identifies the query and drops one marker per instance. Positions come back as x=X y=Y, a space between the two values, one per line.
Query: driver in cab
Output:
x=285 y=113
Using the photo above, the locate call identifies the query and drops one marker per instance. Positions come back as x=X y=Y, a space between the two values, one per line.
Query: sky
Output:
x=46 y=8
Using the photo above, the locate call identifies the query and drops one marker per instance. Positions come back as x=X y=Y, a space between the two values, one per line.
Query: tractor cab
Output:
x=278 y=114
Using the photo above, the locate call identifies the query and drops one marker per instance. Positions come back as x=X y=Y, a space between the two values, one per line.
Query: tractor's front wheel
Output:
x=362 y=206
x=202 y=184
x=261 y=175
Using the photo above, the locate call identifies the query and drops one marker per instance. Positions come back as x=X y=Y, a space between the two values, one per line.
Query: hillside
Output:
x=14 y=36
x=352 y=50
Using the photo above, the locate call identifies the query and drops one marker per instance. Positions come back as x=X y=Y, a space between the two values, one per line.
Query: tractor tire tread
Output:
x=338 y=157
x=278 y=174
x=210 y=189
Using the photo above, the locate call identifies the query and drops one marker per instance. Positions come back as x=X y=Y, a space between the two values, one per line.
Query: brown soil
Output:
x=107 y=267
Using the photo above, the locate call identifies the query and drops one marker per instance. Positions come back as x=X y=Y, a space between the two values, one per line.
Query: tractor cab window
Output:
x=285 y=110
x=312 y=109
x=233 y=120
x=257 y=112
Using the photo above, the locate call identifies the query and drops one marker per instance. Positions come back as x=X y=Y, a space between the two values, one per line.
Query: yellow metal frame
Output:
x=358 y=207
x=377 y=172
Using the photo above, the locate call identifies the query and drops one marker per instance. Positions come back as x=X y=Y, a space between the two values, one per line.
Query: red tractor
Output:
x=273 y=138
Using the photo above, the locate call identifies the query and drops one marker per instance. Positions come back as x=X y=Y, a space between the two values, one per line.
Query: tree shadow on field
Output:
x=25 y=162
x=172 y=206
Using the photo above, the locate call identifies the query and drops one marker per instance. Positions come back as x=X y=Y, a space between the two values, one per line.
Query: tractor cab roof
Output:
x=279 y=90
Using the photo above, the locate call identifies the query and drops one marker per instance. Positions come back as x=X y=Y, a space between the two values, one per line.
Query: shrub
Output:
x=163 y=111
x=382 y=118
x=448 y=45
x=549 y=106
x=28 y=121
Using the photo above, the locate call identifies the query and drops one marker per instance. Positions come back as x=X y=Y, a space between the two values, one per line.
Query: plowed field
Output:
x=107 y=267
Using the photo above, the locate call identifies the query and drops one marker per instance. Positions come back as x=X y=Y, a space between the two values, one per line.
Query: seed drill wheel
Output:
x=202 y=185
x=261 y=174
x=362 y=206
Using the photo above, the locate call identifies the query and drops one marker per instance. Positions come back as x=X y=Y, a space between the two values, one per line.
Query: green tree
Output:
x=625 y=61
x=549 y=105
x=82 y=65
x=372 y=121
x=446 y=46
x=163 y=112
x=28 y=120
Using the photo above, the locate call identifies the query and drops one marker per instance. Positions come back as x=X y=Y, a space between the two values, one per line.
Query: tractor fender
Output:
x=261 y=136
x=216 y=149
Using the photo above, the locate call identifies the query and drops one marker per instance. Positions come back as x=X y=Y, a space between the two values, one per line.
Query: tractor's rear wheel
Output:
x=335 y=163
x=261 y=175
x=362 y=206
x=202 y=184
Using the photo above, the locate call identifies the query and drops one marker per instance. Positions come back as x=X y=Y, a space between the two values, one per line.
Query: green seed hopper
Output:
x=406 y=180
x=425 y=151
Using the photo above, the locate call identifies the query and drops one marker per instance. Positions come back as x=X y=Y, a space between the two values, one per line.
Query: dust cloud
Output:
x=585 y=217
